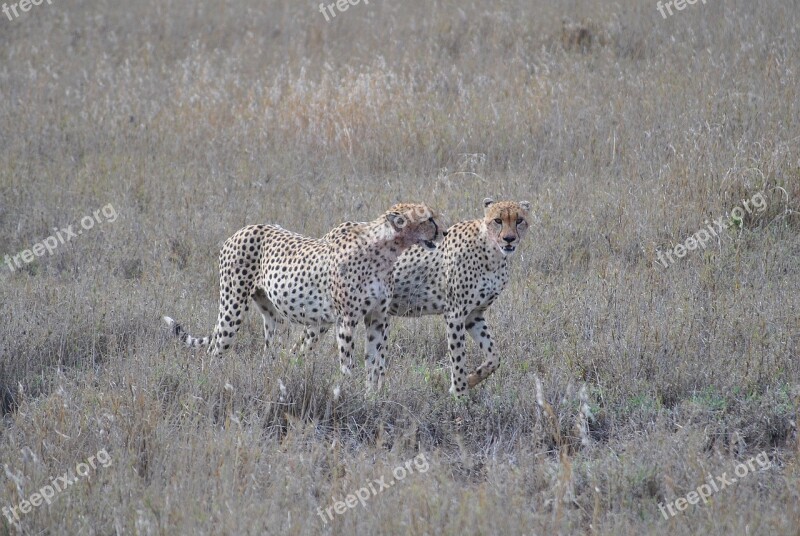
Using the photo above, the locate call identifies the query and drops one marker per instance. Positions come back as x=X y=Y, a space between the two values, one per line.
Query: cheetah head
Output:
x=506 y=223
x=415 y=224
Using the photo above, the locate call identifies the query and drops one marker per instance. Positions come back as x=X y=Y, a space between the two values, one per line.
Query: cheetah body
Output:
x=460 y=279
x=339 y=279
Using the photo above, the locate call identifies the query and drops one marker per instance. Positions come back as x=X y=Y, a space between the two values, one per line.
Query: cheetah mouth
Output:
x=429 y=244
x=509 y=248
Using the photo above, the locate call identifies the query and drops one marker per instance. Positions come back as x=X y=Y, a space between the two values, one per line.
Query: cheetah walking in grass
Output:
x=339 y=279
x=460 y=279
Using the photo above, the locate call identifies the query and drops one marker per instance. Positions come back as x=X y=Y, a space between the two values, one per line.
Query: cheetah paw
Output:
x=474 y=379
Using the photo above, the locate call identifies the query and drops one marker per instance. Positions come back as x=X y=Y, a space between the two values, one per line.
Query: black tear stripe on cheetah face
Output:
x=338 y=279
x=460 y=280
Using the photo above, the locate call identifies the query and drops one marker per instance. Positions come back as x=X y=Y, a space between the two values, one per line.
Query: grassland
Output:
x=626 y=131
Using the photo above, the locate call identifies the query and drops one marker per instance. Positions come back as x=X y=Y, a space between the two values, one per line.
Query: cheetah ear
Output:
x=488 y=202
x=526 y=205
x=397 y=221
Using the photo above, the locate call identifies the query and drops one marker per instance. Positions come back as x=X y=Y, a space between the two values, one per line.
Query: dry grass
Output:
x=626 y=132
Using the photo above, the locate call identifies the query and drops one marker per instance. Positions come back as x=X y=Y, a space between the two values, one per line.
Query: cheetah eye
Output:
x=520 y=220
x=498 y=221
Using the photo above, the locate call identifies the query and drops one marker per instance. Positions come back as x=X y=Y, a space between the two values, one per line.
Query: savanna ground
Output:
x=625 y=130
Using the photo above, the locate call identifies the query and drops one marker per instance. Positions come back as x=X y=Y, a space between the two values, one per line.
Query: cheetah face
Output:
x=415 y=225
x=506 y=223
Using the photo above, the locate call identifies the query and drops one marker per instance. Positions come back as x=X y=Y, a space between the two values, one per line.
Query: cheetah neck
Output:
x=379 y=241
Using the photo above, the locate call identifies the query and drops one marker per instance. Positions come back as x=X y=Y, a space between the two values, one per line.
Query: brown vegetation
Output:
x=196 y=118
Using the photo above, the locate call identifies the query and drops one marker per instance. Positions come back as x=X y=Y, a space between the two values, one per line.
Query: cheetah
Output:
x=460 y=279
x=339 y=279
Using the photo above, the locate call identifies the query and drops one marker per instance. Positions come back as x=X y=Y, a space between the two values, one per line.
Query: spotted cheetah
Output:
x=460 y=279
x=339 y=279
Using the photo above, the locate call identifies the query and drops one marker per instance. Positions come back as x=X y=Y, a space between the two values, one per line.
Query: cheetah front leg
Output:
x=376 y=323
x=479 y=331
x=309 y=340
x=456 y=341
x=347 y=347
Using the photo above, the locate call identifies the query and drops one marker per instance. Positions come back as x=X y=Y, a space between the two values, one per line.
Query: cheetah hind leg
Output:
x=270 y=315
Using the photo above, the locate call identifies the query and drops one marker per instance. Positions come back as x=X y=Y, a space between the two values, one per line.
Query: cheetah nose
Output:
x=509 y=239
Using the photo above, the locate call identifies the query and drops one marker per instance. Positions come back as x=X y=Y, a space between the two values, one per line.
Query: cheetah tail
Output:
x=186 y=339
